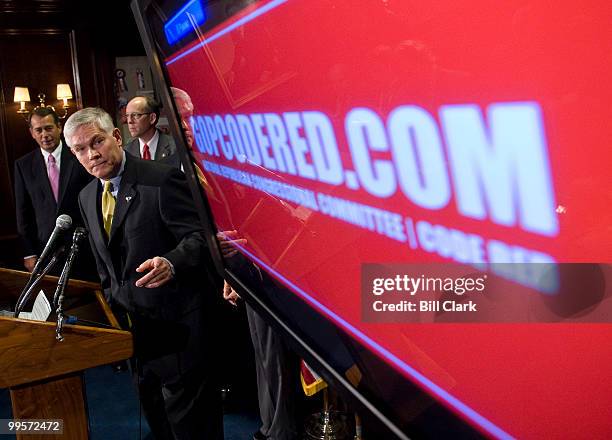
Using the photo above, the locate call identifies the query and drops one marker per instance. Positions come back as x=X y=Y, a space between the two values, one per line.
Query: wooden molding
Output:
x=33 y=6
x=37 y=31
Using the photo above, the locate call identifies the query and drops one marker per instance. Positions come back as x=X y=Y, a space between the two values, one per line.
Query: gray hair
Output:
x=181 y=95
x=88 y=116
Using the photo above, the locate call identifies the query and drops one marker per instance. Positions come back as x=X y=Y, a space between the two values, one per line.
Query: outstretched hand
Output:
x=159 y=273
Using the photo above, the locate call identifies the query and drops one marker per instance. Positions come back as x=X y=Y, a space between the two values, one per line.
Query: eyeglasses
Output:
x=135 y=116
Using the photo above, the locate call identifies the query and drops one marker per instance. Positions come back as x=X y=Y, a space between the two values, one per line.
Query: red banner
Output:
x=334 y=134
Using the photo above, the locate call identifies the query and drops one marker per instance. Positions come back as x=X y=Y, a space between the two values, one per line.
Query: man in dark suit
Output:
x=148 y=244
x=149 y=143
x=47 y=183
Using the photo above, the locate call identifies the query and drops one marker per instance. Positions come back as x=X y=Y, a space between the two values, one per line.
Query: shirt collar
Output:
x=116 y=181
x=57 y=153
x=152 y=144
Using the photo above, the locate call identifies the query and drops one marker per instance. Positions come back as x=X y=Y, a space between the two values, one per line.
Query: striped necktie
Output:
x=53 y=175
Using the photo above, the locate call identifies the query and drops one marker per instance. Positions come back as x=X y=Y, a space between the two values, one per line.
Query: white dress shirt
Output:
x=152 y=144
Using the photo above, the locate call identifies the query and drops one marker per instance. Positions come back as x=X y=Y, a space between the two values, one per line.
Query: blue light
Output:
x=260 y=11
x=184 y=21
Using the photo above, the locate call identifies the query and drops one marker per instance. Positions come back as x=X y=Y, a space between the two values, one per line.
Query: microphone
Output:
x=34 y=281
x=58 y=298
x=63 y=223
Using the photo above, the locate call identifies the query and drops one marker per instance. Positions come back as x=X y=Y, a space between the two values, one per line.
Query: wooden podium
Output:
x=45 y=376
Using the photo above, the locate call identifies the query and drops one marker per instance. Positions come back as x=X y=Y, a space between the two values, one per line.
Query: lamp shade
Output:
x=21 y=94
x=63 y=91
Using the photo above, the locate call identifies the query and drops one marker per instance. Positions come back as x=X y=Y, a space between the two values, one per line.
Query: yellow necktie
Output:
x=108 y=207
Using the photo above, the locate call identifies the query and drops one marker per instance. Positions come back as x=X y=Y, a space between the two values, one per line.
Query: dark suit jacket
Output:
x=36 y=207
x=165 y=147
x=154 y=216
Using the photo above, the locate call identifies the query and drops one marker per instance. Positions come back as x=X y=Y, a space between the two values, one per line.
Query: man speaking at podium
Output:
x=147 y=241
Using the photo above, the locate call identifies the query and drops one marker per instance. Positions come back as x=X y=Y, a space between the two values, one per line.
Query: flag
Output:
x=312 y=383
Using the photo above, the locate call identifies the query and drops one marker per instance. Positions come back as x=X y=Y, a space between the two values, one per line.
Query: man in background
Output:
x=276 y=366
x=149 y=143
x=152 y=260
x=47 y=183
x=184 y=105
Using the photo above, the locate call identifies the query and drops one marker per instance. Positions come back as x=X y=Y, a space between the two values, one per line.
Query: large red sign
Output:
x=334 y=134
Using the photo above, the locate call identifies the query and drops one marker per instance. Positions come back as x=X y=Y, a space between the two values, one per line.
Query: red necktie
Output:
x=146 y=154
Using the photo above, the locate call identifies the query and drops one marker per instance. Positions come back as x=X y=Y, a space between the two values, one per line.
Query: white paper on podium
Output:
x=40 y=311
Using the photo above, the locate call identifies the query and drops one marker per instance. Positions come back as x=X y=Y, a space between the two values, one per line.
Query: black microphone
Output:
x=79 y=235
x=34 y=281
x=58 y=299
x=63 y=223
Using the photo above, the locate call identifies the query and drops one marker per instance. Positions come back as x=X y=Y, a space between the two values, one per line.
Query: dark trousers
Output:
x=188 y=407
x=277 y=370
x=176 y=383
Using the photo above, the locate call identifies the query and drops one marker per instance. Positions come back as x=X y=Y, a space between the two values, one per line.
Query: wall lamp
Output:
x=22 y=95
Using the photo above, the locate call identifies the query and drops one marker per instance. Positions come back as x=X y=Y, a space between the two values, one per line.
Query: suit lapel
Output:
x=125 y=198
x=163 y=147
x=65 y=173
x=133 y=147
x=39 y=172
x=92 y=212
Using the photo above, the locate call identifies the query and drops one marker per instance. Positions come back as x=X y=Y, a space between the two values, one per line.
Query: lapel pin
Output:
x=128 y=198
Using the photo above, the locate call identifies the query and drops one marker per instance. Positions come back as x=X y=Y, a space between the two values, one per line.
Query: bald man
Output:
x=149 y=143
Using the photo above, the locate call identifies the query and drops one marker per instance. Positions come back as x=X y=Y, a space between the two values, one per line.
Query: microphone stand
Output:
x=35 y=278
x=31 y=285
x=58 y=298
x=62 y=224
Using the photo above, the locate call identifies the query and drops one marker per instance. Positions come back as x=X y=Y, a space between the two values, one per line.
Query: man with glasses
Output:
x=149 y=143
